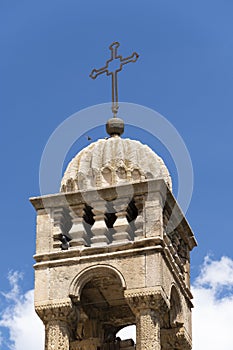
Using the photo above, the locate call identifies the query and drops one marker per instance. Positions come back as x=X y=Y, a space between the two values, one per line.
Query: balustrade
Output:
x=78 y=230
x=99 y=224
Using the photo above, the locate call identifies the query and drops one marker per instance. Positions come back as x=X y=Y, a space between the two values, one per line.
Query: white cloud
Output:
x=216 y=274
x=14 y=277
x=212 y=315
x=26 y=331
x=213 y=300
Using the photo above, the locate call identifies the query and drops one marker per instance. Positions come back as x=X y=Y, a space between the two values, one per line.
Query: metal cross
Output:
x=112 y=67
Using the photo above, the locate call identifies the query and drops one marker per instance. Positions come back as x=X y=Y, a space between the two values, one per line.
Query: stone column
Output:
x=121 y=226
x=99 y=229
x=139 y=221
x=62 y=224
x=148 y=330
x=78 y=232
x=57 y=335
x=149 y=306
x=60 y=320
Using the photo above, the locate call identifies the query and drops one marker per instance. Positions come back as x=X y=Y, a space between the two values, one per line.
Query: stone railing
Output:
x=108 y=216
x=98 y=223
x=113 y=216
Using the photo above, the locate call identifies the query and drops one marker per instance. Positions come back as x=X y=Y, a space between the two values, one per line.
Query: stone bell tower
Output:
x=113 y=248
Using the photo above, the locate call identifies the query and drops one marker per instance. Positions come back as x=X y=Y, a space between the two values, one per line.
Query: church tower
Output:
x=112 y=250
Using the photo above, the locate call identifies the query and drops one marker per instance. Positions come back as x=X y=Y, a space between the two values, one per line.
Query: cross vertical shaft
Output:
x=112 y=67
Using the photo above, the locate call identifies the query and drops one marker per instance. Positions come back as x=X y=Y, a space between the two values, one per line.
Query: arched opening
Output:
x=176 y=318
x=99 y=295
x=127 y=333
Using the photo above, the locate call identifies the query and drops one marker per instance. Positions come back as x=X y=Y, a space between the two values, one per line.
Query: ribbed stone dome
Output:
x=112 y=161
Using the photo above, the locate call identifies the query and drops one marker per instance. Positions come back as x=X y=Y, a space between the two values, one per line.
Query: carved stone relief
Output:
x=57 y=335
x=60 y=319
x=148 y=330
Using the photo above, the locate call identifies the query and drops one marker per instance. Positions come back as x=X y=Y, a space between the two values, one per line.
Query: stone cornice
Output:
x=53 y=304
x=106 y=193
x=109 y=250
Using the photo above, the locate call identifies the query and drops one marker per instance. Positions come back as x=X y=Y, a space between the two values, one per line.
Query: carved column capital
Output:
x=149 y=306
x=147 y=298
x=62 y=310
x=60 y=318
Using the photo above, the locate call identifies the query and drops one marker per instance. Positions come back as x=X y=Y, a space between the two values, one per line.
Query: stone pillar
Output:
x=99 y=229
x=78 y=232
x=57 y=335
x=139 y=221
x=60 y=320
x=62 y=224
x=148 y=330
x=149 y=306
x=121 y=226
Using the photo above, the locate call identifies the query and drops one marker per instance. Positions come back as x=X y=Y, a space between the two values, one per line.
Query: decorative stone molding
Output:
x=62 y=310
x=60 y=318
x=55 y=305
x=147 y=298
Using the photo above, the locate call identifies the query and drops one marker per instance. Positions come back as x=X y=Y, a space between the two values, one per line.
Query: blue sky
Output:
x=185 y=72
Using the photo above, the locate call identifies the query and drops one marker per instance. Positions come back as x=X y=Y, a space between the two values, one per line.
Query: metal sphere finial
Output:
x=115 y=126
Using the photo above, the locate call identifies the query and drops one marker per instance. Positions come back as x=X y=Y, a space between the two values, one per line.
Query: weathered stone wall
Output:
x=146 y=265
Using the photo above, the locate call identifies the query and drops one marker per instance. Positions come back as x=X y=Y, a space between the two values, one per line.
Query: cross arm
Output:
x=95 y=72
x=131 y=58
